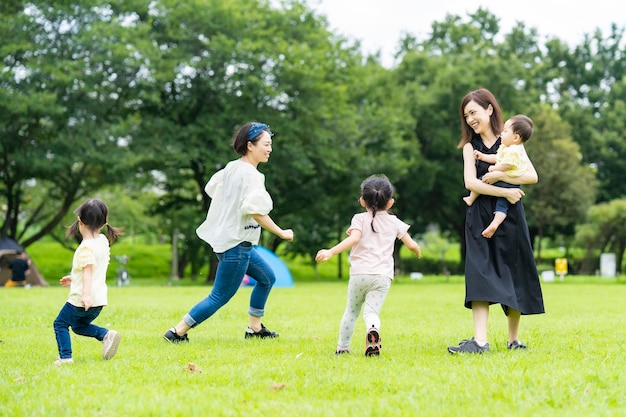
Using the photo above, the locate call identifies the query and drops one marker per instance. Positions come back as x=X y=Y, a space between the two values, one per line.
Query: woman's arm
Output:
x=513 y=195
x=266 y=222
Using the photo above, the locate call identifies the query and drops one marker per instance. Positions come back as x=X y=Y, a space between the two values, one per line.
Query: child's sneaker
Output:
x=173 y=337
x=63 y=361
x=110 y=343
x=373 y=342
x=342 y=351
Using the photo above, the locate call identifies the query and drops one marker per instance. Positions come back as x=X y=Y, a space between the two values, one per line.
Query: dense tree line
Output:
x=145 y=96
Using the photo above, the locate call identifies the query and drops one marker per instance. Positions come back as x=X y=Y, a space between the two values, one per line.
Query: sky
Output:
x=378 y=24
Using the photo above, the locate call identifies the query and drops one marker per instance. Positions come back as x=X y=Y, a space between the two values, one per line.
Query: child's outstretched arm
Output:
x=412 y=245
x=485 y=157
x=347 y=243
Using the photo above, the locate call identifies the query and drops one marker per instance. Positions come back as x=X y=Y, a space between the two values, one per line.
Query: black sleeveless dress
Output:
x=500 y=270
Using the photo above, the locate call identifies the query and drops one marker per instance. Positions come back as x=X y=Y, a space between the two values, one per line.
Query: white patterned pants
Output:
x=370 y=290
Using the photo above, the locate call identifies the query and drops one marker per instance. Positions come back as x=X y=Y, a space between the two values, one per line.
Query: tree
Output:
x=69 y=90
x=458 y=56
x=605 y=230
x=221 y=68
x=590 y=93
x=566 y=188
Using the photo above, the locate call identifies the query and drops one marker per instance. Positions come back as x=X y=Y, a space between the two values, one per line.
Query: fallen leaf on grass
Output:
x=193 y=368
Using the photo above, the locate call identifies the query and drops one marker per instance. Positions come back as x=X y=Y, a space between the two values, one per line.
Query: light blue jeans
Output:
x=233 y=265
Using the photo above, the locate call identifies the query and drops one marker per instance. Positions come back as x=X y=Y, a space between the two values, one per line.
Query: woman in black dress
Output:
x=500 y=270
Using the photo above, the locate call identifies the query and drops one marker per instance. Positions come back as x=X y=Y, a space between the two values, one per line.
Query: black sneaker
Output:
x=373 y=342
x=468 y=346
x=342 y=351
x=516 y=344
x=172 y=337
x=263 y=333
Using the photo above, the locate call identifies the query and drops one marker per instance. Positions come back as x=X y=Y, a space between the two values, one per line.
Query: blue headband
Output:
x=257 y=128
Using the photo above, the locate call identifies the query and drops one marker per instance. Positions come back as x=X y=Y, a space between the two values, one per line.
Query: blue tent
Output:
x=283 y=275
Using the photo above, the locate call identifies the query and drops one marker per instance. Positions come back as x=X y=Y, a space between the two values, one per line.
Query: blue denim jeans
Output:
x=80 y=322
x=502 y=204
x=233 y=265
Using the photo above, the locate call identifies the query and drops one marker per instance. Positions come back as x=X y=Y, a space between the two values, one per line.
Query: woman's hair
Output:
x=376 y=192
x=483 y=98
x=250 y=132
x=93 y=214
x=523 y=126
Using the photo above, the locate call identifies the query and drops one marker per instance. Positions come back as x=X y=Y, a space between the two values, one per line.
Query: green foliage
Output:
x=566 y=189
x=605 y=230
x=146 y=261
x=298 y=373
x=147 y=96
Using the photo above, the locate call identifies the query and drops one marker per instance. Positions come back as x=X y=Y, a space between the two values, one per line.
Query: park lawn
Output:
x=574 y=364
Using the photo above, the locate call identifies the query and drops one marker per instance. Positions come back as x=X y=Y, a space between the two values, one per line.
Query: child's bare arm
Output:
x=86 y=296
x=412 y=245
x=488 y=158
x=501 y=167
x=347 y=243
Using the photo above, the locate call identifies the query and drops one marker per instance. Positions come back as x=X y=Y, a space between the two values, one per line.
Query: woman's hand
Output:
x=287 y=234
x=513 y=195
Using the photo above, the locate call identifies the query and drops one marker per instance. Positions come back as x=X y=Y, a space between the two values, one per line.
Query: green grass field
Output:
x=574 y=365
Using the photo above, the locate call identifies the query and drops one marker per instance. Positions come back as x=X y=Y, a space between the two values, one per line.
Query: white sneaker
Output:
x=60 y=361
x=111 y=341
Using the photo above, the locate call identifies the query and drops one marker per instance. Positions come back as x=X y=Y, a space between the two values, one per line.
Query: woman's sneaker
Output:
x=373 y=342
x=516 y=344
x=173 y=337
x=263 y=333
x=468 y=346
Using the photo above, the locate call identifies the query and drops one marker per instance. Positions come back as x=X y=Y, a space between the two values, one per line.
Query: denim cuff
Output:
x=256 y=312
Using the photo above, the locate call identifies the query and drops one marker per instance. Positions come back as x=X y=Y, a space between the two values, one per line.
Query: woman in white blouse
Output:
x=239 y=208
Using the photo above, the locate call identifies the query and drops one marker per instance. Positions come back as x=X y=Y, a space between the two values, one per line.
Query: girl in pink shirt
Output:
x=372 y=235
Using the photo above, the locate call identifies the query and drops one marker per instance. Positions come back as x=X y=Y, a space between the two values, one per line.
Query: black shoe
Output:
x=342 y=351
x=172 y=337
x=516 y=344
x=263 y=333
x=373 y=342
x=468 y=346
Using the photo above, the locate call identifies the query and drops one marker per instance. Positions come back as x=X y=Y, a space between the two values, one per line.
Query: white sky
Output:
x=378 y=24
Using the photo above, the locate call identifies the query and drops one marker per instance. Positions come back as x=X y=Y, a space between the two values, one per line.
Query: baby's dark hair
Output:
x=523 y=126
x=93 y=213
x=376 y=192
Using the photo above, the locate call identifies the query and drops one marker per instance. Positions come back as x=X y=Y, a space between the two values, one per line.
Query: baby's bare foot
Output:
x=467 y=200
